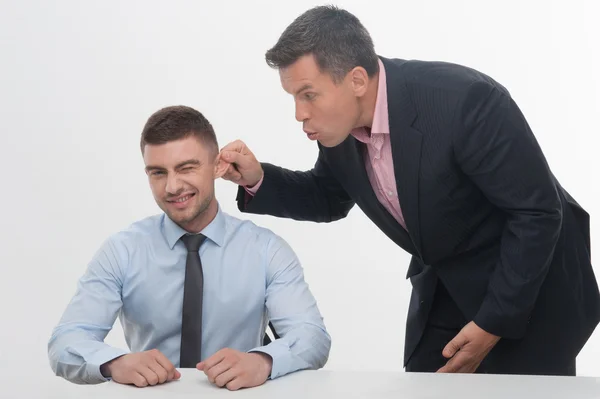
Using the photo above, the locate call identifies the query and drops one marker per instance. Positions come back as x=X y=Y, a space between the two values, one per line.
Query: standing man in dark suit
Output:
x=441 y=159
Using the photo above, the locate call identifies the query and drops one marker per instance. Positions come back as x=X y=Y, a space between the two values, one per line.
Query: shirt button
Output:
x=390 y=193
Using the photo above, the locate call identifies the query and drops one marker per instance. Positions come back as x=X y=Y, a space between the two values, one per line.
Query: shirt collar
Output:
x=215 y=231
x=380 y=115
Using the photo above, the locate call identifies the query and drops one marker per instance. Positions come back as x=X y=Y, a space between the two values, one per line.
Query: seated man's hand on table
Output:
x=141 y=369
x=234 y=370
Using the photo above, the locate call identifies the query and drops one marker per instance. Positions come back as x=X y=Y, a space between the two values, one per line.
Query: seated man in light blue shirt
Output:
x=181 y=306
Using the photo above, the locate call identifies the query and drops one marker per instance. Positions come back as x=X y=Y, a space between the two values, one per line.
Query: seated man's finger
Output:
x=214 y=372
x=224 y=378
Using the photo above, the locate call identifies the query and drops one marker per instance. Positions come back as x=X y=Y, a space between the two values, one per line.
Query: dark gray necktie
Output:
x=191 y=320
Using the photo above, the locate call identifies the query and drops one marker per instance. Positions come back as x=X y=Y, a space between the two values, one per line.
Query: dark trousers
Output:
x=507 y=357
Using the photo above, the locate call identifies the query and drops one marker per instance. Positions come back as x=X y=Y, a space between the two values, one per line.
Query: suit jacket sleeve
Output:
x=314 y=195
x=497 y=150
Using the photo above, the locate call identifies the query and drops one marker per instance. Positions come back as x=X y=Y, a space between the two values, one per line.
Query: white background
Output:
x=78 y=80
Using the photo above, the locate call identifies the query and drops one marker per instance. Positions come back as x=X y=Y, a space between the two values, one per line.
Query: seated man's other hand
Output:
x=234 y=370
x=141 y=369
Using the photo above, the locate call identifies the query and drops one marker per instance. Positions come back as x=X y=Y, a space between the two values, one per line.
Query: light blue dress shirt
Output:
x=251 y=276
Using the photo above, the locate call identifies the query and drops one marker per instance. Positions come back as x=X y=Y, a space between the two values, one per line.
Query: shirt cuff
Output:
x=252 y=190
x=99 y=358
x=280 y=353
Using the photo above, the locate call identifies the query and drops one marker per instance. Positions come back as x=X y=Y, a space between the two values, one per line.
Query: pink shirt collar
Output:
x=381 y=122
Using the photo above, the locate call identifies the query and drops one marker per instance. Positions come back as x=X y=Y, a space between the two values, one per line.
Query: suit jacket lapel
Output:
x=406 y=149
x=347 y=159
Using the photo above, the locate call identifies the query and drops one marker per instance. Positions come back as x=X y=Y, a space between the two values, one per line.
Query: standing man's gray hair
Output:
x=335 y=37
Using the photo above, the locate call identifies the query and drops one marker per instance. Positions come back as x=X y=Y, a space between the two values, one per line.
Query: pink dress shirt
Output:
x=378 y=154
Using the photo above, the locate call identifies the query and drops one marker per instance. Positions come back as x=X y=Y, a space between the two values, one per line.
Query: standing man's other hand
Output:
x=467 y=350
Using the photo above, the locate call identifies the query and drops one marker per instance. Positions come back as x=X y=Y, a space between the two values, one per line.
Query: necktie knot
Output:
x=193 y=241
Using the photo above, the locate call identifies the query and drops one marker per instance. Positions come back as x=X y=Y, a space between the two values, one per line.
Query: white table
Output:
x=326 y=384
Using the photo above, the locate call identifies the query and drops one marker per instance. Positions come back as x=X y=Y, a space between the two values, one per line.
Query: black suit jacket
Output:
x=484 y=213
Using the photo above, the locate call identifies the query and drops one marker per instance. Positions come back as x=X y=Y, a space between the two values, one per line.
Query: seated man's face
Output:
x=181 y=175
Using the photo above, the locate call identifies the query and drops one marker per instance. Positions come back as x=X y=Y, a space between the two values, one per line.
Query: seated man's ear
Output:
x=220 y=167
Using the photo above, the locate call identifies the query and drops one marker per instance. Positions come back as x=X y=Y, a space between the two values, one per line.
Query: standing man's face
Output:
x=328 y=110
x=181 y=175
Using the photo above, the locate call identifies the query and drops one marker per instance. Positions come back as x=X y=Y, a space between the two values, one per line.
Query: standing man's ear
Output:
x=220 y=167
